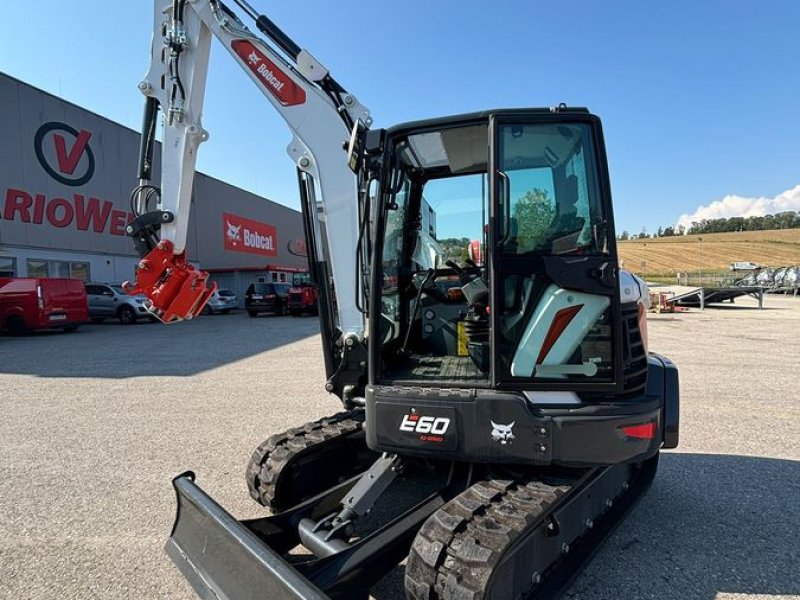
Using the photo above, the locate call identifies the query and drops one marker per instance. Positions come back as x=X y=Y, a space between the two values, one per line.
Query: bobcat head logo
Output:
x=253 y=58
x=502 y=433
x=234 y=233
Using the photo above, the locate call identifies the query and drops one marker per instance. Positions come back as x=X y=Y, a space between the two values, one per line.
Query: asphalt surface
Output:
x=94 y=424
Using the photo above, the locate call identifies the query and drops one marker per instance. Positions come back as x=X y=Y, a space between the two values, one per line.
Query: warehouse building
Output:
x=65 y=179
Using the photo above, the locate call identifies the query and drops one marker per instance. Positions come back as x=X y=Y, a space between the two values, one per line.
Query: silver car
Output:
x=221 y=301
x=109 y=300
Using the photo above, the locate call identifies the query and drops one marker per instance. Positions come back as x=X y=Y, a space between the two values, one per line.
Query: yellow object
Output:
x=462 y=340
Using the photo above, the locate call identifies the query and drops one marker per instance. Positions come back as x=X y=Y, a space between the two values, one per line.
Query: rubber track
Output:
x=457 y=549
x=277 y=451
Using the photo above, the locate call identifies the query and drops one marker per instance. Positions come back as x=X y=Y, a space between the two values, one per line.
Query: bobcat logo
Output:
x=502 y=433
x=253 y=58
x=234 y=233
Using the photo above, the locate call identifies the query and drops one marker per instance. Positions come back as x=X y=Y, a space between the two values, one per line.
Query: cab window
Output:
x=553 y=206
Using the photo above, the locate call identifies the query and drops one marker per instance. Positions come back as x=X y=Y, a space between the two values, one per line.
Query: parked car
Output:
x=221 y=301
x=109 y=300
x=266 y=297
x=744 y=266
x=28 y=304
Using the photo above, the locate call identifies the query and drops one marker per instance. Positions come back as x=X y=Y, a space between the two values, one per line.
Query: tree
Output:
x=534 y=213
x=454 y=248
x=660 y=232
x=669 y=231
x=783 y=220
x=624 y=235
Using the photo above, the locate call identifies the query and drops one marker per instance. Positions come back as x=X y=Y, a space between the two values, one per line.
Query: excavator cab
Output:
x=542 y=308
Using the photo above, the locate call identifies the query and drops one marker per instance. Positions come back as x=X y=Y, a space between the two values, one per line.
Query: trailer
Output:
x=702 y=296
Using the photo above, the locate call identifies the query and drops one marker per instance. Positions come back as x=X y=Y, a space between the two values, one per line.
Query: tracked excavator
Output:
x=500 y=410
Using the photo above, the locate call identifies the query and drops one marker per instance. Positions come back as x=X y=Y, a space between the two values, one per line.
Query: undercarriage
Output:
x=348 y=508
x=466 y=530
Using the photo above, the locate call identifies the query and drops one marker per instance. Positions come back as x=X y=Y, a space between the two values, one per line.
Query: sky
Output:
x=699 y=99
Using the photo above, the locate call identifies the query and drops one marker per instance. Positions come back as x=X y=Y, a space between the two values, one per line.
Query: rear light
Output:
x=39 y=296
x=270 y=296
x=643 y=431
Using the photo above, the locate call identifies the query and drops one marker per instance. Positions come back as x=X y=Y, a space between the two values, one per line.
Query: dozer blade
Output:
x=222 y=558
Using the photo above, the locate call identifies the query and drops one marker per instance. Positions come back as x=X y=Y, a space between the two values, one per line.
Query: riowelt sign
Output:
x=66 y=155
x=78 y=211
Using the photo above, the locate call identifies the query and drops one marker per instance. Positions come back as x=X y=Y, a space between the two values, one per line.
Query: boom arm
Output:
x=319 y=112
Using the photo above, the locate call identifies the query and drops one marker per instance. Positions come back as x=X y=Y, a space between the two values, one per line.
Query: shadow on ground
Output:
x=711 y=525
x=110 y=350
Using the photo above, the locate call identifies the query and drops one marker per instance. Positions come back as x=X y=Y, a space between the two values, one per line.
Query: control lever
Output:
x=428 y=276
x=463 y=276
x=453 y=265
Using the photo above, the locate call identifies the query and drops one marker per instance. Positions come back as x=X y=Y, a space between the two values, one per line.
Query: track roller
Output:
x=301 y=462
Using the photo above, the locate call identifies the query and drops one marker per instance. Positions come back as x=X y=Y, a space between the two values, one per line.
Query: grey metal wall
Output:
x=213 y=198
x=72 y=193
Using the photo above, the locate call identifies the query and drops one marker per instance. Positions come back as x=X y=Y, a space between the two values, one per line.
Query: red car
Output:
x=28 y=304
x=302 y=296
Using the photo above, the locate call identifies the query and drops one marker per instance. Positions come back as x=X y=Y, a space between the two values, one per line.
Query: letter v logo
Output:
x=68 y=161
x=60 y=159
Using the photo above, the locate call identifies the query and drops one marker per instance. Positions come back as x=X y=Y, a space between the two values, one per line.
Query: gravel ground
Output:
x=95 y=423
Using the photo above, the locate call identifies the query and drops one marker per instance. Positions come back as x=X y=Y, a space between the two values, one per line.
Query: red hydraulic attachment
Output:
x=176 y=289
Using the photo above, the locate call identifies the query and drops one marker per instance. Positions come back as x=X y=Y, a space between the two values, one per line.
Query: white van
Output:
x=744 y=266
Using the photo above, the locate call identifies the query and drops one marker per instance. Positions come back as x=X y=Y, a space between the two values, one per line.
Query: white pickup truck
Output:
x=744 y=266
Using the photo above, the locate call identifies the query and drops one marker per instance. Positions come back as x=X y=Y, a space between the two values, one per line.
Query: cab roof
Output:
x=561 y=110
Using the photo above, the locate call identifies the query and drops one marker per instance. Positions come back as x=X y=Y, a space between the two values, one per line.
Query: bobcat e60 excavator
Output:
x=501 y=411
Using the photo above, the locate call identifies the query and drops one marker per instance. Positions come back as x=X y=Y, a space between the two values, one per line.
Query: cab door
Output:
x=555 y=291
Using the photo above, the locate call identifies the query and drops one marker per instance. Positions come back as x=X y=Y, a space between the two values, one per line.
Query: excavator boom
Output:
x=319 y=112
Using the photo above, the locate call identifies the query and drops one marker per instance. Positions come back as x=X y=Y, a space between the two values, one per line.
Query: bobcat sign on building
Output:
x=65 y=181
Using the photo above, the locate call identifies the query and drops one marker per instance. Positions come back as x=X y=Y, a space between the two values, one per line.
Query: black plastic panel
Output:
x=579 y=435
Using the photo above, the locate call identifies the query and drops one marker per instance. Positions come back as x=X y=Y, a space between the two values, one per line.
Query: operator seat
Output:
x=567 y=226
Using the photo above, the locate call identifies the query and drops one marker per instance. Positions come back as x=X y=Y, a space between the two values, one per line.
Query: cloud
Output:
x=739 y=206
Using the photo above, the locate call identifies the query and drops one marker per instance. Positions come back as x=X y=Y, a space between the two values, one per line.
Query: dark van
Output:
x=28 y=304
x=266 y=297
